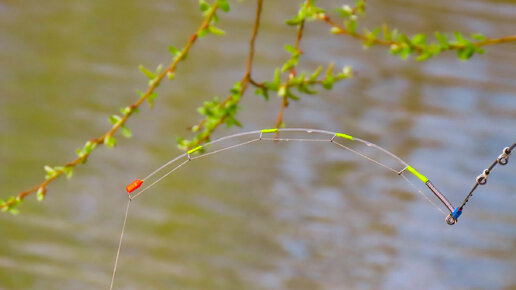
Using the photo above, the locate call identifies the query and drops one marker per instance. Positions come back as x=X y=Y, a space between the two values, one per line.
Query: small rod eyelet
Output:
x=503 y=159
x=482 y=178
x=450 y=220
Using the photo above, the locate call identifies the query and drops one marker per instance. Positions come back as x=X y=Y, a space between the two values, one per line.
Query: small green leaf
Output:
x=110 y=141
x=89 y=146
x=443 y=40
x=290 y=48
x=150 y=75
x=277 y=78
x=216 y=30
x=126 y=132
x=114 y=119
x=419 y=39
x=351 y=25
x=335 y=30
x=282 y=91
x=126 y=110
x=294 y=21
x=50 y=172
x=68 y=170
x=203 y=6
x=79 y=152
x=151 y=99
x=40 y=194
x=263 y=92
x=171 y=75
x=174 y=51
x=316 y=73
x=224 y=5
x=202 y=33
x=478 y=36
x=466 y=52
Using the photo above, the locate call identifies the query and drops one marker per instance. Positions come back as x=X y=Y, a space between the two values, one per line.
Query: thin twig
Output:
x=100 y=140
x=247 y=76
x=292 y=74
x=339 y=29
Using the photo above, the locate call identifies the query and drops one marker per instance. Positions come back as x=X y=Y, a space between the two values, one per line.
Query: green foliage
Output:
x=40 y=194
x=11 y=205
x=110 y=141
x=308 y=11
x=52 y=172
x=293 y=60
x=224 y=5
x=86 y=149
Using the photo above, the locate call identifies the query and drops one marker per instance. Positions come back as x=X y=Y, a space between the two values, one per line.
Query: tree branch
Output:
x=129 y=112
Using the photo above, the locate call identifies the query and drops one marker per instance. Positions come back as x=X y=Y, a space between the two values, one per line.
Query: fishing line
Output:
x=451 y=218
x=120 y=244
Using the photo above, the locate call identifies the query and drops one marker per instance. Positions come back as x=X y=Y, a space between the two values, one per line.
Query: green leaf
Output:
x=151 y=99
x=224 y=5
x=110 y=141
x=68 y=170
x=237 y=88
x=114 y=119
x=277 y=78
x=50 y=172
x=290 y=48
x=478 y=36
x=202 y=33
x=316 y=73
x=171 y=75
x=335 y=30
x=443 y=40
x=150 y=75
x=40 y=194
x=466 y=52
x=282 y=91
x=351 y=25
x=89 y=146
x=216 y=30
x=289 y=64
x=419 y=39
x=79 y=152
x=203 y=6
x=126 y=110
x=294 y=21
x=174 y=51
x=126 y=132
x=290 y=95
x=386 y=33
x=345 y=11
x=263 y=92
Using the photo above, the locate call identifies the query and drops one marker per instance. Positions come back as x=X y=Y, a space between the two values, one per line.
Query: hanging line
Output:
x=120 y=244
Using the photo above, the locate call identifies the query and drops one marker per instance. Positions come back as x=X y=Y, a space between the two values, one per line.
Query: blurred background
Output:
x=273 y=216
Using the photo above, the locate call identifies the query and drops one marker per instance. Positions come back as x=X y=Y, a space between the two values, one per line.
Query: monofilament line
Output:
x=120 y=244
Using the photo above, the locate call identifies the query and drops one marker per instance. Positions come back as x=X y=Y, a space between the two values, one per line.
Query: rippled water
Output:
x=275 y=216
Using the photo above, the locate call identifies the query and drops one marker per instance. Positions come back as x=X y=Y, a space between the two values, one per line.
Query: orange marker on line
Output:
x=133 y=186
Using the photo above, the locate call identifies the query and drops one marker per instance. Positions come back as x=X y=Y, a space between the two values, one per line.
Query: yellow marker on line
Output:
x=270 y=130
x=345 y=136
x=195 y=149
x=417 y=174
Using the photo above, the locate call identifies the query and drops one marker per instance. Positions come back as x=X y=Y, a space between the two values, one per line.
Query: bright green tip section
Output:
x=417 y=174
x=270 y=130
x=345 y=136
x=195 y=149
